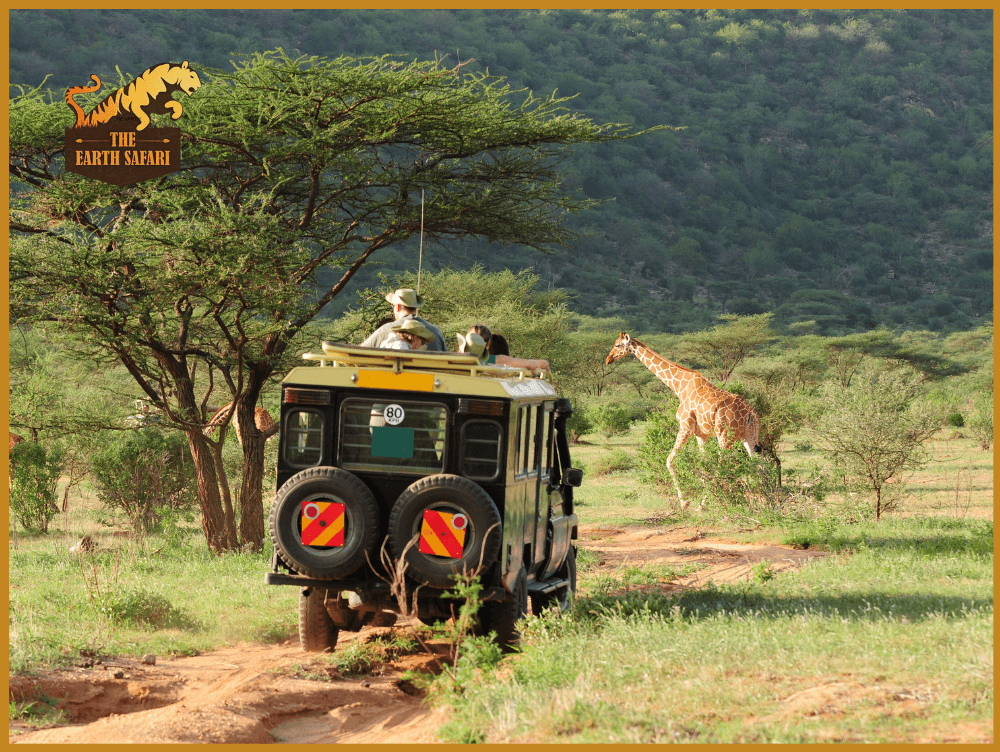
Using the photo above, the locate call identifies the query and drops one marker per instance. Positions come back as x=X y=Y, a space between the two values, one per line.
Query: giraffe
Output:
x=261 y=416
x=705 y=410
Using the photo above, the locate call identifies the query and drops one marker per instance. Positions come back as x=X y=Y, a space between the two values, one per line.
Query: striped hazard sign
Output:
x=443 y=534
x=323 y=523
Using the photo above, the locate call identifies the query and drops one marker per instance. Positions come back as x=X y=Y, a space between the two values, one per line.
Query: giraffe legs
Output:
x=682 y=436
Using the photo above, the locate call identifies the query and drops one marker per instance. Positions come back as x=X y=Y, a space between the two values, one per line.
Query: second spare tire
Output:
x=460 y=530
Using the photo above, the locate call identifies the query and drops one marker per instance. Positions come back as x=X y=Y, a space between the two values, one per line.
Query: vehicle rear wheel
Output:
x=502 y=616
x=301 y=498
x=453 y=497
x=562 y=599
x=317 y=633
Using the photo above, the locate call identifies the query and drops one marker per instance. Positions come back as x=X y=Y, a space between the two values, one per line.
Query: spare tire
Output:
x=449 y=494
x=361 y=526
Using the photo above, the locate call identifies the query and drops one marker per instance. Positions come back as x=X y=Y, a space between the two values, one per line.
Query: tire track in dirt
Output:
x=249 y=694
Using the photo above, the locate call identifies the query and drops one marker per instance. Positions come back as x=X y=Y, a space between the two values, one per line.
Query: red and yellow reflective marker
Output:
x=322 y=523
x=443 y=534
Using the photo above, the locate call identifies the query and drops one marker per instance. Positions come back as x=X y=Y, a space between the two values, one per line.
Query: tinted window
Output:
x=303 y=438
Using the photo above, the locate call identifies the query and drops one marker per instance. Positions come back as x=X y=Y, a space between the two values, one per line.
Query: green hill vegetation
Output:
x=834 y=166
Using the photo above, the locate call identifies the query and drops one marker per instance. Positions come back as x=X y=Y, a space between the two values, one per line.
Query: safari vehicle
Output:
x=428 y=461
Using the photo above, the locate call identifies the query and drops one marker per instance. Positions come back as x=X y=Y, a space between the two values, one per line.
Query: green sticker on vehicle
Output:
x=392 y=441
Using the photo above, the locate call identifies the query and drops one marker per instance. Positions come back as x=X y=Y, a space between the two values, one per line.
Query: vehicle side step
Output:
x=549 y=586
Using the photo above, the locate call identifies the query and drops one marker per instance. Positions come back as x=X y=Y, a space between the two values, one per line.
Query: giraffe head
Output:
x=623 y=346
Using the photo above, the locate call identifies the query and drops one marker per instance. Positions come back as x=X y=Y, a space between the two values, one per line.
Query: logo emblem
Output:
x=114 y=143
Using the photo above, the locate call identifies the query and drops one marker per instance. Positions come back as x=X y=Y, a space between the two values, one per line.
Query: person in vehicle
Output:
x=410 y=335
x=498 y=351
x=405 y=303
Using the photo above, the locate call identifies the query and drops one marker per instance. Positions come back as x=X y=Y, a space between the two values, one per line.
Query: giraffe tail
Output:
x=72 y=92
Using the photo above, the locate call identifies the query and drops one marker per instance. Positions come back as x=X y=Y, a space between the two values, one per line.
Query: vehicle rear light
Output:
x=480 y=407
x=306 y=396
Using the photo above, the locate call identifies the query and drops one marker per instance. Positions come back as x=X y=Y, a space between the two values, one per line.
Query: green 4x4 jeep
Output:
x=428 y=459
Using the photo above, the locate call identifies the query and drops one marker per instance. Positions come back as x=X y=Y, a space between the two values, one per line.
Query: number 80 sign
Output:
x=393 y=414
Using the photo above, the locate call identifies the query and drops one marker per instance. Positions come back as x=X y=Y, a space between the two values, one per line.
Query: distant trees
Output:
x=801 y=130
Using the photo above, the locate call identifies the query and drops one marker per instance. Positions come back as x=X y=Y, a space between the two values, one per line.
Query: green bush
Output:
x=579 y=423
x=34 y=472
x=613 y=461
x=956 y=419
x=981 y=424
x=141 y=473
x=612 y=419
x=656 y=444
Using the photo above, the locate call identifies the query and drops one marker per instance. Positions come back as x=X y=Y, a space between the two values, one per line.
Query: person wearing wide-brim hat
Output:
x=405 y=302
x=410 y=335
x=474 y=344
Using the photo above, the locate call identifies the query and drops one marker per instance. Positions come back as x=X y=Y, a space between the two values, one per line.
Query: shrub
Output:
x=612 y=419
x=956 y=419
x=34 y=472
x=981 y=424
x=579 y=423
x=613 y=461
x=142 y=472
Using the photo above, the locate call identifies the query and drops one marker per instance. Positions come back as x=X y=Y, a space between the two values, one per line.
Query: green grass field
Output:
x=888 y=638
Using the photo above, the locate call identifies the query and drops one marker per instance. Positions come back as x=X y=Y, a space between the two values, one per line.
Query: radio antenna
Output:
x=420 y=263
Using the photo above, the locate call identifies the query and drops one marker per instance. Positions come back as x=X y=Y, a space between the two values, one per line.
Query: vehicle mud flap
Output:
x=323 y=494
x=460 y=531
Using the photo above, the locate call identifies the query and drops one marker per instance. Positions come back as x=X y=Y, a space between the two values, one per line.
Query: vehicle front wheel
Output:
x=317 y=633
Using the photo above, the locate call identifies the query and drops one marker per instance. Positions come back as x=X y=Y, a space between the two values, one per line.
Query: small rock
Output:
x=149 y=659
x=365 y=684
x=119 y=674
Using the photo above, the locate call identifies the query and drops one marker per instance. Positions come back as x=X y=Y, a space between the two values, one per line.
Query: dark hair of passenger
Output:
x=482 y=330
x=497 y=345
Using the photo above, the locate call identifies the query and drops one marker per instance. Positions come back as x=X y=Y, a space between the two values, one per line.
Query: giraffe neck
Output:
x=669 y=373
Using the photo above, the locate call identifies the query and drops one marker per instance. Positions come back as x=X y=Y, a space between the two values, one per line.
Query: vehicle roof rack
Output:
x=342 y=354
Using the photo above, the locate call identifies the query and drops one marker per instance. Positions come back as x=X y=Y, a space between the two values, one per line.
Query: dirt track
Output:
x=248 y=693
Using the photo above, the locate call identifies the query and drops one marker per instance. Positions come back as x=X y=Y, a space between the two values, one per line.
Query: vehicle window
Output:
x=548 y=419
x=303 y=438
x=413 y=442
x=518 y=438
x=531 y=444
x=481 y=449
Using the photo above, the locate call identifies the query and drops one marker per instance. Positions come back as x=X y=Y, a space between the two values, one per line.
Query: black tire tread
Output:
x=361 y=493
x=317 y=633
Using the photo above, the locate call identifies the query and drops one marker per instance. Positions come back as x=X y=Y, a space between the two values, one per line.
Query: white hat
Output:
x=405 y=296
x=472 y=343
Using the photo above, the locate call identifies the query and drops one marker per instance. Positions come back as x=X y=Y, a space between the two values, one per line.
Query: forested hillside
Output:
x=834 y=166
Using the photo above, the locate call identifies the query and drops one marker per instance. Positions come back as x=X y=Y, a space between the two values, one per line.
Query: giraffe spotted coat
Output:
x=704 y=411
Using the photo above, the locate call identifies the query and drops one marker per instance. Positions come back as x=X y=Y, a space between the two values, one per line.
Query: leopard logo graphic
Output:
x=150 y=93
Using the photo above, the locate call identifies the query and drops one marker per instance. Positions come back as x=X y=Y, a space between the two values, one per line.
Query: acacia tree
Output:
x=874 y=430
x=199 y=282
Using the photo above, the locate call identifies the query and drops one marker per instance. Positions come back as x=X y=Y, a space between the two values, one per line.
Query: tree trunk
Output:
x=227 y=498
x=213 y=520
x=251 y=497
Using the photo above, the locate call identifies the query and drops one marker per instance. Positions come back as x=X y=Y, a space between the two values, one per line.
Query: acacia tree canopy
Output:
x=198 y=281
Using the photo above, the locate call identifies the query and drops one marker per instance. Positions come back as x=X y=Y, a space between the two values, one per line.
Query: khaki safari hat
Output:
x=472 y=343
x=405 y=296
x=412 y=326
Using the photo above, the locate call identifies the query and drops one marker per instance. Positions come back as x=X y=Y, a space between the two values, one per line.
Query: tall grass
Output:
x=903 y=609
x=128 y=599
